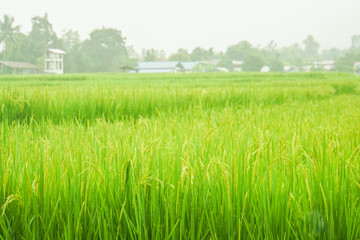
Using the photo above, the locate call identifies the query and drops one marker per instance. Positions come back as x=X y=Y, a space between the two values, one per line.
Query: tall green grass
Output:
x=183 y=156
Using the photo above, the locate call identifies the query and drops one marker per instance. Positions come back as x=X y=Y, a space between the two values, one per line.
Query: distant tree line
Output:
x=106 y=51
x=103 y=51
x=253 y=58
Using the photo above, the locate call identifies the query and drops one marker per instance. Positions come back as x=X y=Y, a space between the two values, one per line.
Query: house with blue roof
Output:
x=190 y=66
x=159 y=67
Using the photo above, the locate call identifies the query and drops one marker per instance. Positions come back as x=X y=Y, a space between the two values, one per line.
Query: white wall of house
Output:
x=54 y=61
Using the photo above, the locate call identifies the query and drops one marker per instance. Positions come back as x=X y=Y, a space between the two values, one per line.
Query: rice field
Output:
x=180 y=156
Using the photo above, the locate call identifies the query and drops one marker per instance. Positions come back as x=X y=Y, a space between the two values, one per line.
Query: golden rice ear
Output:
x=9 y=199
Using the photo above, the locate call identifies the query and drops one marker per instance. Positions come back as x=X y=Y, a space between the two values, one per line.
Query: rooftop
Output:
x=53 y=50
x=158 y=65
x=23 y=65
x=189 y=65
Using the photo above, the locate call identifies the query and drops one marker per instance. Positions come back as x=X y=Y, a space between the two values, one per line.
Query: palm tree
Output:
x=8 y=34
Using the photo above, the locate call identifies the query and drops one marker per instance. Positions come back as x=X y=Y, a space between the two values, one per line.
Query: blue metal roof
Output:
x=158 y=65
x=158 y=70
x=189 y=65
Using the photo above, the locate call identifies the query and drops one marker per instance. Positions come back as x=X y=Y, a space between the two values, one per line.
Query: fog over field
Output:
x=169 y=25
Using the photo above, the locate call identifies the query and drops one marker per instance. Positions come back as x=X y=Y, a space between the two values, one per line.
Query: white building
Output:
x=159 y=67
x=54 y=61
x=357 y=68
x=325 y=65
x=265 y=69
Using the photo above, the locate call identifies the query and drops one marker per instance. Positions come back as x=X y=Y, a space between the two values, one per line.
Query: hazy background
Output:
x=169 y=25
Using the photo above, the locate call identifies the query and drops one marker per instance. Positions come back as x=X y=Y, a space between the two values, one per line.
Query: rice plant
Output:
x=180 y=156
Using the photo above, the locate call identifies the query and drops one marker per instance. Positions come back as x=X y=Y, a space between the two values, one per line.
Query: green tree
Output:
x=269 y=52
x=21 y=50
x=355 y=42
x=311 y=49
x=70 y=39
x=133 y=57
x=292 y=55
x=253 y=63
x=276 y=65
x=132 y=53
x=181 y=55
x=41 y=38
x=151 y=55
x=271 y=57
x=201 y=54
x=332 y=54
x=8 y=34
x=238 y=51
x=346 y=62
x=71 y=43
x=42 y=34
x=105 y=51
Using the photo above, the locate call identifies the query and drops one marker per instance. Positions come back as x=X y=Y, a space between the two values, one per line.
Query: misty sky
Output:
x=171 y=24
